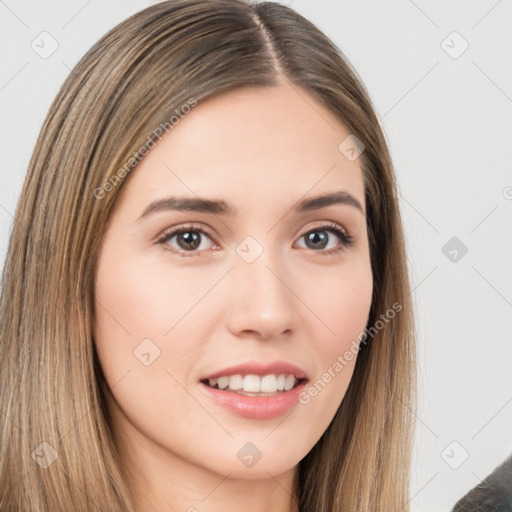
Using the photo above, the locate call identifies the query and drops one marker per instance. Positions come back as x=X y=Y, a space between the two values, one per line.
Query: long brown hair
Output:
x=57 y=451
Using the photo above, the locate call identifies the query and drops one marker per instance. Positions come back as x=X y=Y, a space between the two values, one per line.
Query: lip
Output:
x=255 y=407
x=261 y=369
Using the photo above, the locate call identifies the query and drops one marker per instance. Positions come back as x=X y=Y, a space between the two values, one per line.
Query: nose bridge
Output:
x=261 y=297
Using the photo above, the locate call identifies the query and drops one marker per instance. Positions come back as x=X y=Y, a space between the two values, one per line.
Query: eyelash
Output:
x=346 y=240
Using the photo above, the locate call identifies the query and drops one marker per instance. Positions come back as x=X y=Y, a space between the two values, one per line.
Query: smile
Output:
x=254 y=385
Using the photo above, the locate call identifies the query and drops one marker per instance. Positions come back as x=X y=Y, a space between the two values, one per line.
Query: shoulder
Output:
x=493 y=494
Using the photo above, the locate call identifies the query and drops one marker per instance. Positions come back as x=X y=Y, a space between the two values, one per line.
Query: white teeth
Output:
x=289 y=382
x=236 y=382
x=254 y=383
x=269 y=384
x=223 y=382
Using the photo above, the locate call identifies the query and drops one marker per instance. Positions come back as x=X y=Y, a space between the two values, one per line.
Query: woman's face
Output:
x=227 y=269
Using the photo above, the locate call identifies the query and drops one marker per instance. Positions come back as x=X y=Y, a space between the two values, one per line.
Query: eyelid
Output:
x=326 y=225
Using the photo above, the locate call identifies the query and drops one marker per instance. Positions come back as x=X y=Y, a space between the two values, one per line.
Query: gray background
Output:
x=447 y=118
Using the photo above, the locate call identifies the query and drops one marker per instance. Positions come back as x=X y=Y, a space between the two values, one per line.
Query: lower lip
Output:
x=255 y=407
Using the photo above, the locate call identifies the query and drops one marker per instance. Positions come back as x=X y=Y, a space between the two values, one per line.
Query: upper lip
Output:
x=261 y=369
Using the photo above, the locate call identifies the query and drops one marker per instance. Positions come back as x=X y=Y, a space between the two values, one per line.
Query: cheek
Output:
x=343 y=305
x=146 y=318
x=130 y=315
x=140 y=298
x=139 y=336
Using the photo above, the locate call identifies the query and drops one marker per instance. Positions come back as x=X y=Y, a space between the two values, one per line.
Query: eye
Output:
x=186 y=239
x=327 y=236
x=191 y=240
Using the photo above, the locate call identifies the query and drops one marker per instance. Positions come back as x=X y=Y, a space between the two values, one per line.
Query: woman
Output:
x=205 y=300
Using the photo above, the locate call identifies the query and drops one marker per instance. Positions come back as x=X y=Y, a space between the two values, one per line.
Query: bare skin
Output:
x=261 y=150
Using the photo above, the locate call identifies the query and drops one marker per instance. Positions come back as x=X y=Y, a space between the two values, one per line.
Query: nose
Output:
x=262 y=301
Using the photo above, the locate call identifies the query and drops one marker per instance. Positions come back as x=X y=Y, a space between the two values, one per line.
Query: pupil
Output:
x=190 y=240
x=318 y=236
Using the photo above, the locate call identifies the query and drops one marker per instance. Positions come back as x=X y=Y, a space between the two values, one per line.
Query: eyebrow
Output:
x=221 y=207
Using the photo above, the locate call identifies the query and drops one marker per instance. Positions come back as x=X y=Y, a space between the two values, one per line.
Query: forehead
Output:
x=266 y=142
